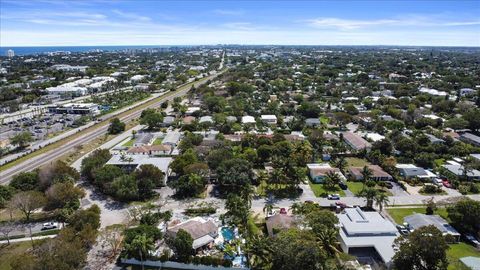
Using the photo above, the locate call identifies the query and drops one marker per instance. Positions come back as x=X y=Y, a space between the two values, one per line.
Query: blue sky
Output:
x=119 y=22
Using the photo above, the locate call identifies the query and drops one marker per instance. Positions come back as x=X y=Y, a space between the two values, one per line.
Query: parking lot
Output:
x=41 y=127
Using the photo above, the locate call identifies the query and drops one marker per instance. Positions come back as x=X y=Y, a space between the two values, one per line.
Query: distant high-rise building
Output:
x=10 y=53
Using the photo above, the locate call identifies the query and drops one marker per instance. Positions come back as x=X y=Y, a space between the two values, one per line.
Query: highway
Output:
x=96 y=131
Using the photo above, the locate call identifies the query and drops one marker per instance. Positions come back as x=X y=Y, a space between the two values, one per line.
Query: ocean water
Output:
x=41 y=50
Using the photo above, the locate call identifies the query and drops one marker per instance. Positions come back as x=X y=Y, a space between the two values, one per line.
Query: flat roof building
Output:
x=361 y=230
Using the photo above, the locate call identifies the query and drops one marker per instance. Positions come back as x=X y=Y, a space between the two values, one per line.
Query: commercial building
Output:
x=71 y=91
x=367 y=233
x=75 y=108
x=70 y=68
x=10 y=53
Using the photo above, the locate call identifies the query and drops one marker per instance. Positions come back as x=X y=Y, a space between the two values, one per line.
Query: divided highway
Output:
x=92 y=133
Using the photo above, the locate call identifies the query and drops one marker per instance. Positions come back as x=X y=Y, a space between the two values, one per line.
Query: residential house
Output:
x=355 y=141
x=248 y=119
x=142 y=139
x=367 y=232
x=458 y=171
x=417 y=221
x=470 y=138
x=279 y=222
x=409 y=171
x=202 y=231
x=378 y=174
x=129 y=163
x=318 y=172
x=153 y=150
x=269 y=119
x=172 y=138
x=312 y=122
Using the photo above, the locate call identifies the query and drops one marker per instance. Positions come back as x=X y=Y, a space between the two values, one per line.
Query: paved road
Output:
x=51 y=155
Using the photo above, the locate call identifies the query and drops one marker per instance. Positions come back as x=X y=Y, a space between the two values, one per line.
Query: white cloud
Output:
x=416 y=21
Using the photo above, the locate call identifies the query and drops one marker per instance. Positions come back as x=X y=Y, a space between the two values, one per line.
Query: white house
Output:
x=360 y=231
x=248 y=119
x=269 y=118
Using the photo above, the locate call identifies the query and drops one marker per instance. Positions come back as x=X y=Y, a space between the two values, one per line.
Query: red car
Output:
x=283 y=211
x=446 y=184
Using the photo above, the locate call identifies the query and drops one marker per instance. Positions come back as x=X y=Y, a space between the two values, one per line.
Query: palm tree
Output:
x=381 y=200
x=342 y=164
x=268 y=208
x=369 y=194
x=141 y=245
x=331 y=179
x=259 y=252
x=327 y=239
x=366 y=175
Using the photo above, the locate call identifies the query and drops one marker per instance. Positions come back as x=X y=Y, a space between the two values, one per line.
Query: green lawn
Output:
x=356 y=162
x=8 y=252
x=356 y=187
x=320 y=190
x=158 y=141
x=129 y=143
x=457 y=251
x=324 y=120
x=399 y=213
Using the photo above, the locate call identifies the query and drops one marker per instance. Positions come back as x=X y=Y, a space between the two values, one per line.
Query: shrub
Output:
x=463 y=189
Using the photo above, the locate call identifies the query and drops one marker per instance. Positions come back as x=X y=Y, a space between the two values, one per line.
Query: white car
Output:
x=49 y=226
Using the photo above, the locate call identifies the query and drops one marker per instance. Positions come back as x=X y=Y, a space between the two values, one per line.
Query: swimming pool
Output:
x=227 y=233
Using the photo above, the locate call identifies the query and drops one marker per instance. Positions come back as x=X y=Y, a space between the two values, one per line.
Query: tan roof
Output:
x=188 y=119
x=149 y=148
x=195 y=228
x=323 y=171
x=376 y=170
x=356 y=140
x=279 y=221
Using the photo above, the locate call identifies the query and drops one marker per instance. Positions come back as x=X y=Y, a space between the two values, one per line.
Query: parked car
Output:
x=49 y=225
x=333 y=196
x=403 y=230
x=341 y=204
x=437 y=181
x=446 y=184
x=470 y=238
x=283 y=211
x=389 y=185
x=342 y=185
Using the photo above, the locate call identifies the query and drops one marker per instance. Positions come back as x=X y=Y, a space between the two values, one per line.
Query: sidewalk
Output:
x=28 y=239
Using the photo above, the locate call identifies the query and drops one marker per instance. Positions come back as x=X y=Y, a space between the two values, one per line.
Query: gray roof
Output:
x=172 y=138
x=434 y=139
x=420 y=220
x=458 y=170
x=143 y=138
x=476 y=156
x=409 y=172
x=368 y=229
x=357 y=222
x=471 y=137
x=312 y=121
x=471 y=262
